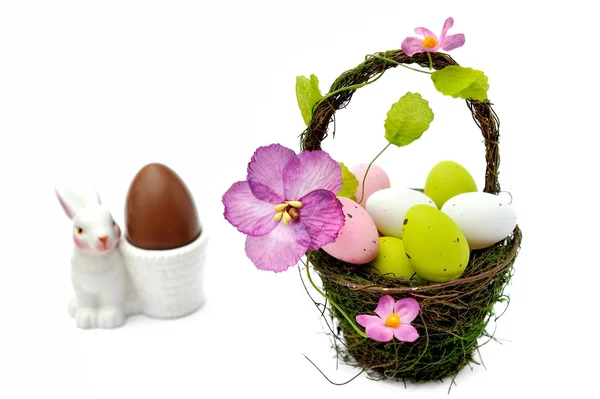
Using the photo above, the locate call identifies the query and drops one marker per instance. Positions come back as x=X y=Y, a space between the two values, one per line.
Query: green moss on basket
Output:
x=453 y=315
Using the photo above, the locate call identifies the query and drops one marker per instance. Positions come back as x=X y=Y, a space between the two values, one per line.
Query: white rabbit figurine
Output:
x=98 y=273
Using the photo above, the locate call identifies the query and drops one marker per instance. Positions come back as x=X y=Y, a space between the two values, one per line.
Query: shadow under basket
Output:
x=454 y=314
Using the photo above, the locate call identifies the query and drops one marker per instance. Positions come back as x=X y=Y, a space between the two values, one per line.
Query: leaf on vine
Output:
x=457 y=81
x=407 y=119
x=349 y=183
x=307 y=94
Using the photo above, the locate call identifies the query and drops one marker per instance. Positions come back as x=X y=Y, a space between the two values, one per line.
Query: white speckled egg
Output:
x=358 y=240
x=376 y=180
x=484 y=218
x=387 y=208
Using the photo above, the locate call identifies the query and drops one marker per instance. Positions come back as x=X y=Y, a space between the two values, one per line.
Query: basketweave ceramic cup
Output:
x=169 y=283
x=165 y=244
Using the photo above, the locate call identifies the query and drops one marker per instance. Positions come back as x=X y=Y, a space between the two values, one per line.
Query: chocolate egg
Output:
x=160 y=212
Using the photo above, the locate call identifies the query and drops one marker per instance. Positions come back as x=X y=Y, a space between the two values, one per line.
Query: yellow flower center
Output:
x=393 y=321
x=430 y=42
x=287 y=211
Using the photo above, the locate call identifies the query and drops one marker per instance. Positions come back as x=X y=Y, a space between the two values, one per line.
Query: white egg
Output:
x=387 y=208
x=484 y=218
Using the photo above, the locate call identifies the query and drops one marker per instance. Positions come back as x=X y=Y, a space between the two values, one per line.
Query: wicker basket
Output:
x=446 y=344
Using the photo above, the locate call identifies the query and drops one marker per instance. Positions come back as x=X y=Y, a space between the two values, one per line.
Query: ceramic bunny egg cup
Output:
x=103 y=295
x=157 y=268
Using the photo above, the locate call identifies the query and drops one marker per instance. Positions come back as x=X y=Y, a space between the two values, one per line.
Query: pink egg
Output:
x=377 y=180
x=358 y=240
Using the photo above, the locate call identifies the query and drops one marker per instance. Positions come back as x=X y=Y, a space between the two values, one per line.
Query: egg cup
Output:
x=169 y=283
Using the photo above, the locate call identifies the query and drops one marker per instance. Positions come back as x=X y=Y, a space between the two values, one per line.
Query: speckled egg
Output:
x=484 y=218
x=358 y=240
x=377 y=180
x=446 y=180
x=387 y=208
x=392 y=261
x=435 y=245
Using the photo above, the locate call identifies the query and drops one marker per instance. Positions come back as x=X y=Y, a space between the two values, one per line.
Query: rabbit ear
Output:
x=72 y=201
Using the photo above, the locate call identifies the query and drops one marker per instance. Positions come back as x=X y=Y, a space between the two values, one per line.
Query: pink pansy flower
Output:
x=431 y=43
x=392 y=320
x=286 y=206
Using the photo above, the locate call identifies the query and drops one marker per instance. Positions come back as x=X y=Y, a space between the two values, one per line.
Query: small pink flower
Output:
x=286 y=206
x=392 y=320
x=431 y=43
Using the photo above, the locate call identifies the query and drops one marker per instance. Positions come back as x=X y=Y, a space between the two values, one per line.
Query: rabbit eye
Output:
x=114 y=223
x=79 y=230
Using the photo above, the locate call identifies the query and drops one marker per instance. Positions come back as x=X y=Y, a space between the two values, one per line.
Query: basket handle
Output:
x=483 y=114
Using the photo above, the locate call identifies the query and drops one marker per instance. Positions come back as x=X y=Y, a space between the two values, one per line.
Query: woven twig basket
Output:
x=454 y=314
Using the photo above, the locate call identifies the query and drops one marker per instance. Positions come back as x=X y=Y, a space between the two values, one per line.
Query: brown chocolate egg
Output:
x=160 y=212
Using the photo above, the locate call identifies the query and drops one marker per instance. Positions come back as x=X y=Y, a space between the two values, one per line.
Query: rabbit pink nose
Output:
x=103 y=239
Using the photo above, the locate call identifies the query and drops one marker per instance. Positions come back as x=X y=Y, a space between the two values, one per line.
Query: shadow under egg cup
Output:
x=169 y=283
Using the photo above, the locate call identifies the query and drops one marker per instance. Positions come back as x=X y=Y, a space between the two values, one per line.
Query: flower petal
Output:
x=412 y=46
x=380 y=333
x=449 y=23
x=453 y=41
x=407 y=309
x=265 y=172
x=366 y=320
x=246 y=212
x=321 y=215
x=310 y=171
x=281 y=248
x=406 y=333
x=385 y=307
x=425 y=32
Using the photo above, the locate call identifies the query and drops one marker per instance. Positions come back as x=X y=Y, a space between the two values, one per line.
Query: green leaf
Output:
x=307 y=94
x=457 y=81
x=408 y=119
x=349 y=183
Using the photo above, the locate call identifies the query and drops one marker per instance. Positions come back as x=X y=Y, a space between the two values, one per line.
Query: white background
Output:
x=93 y=91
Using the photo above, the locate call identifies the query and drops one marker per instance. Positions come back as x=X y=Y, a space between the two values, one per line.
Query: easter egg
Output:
x=484 y=218
x=387 y=208
x=377 y=180
x=446 y=180
x=437 y=249
x=391 y=259
x=160 y=212
x=358 y=239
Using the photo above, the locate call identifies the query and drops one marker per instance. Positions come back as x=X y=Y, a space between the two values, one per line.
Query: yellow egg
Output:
x=391 y=259
x=446 y=180
x=437 y=249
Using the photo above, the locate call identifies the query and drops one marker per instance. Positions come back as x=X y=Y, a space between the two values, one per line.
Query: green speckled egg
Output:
x=447 y=179
x=435 y=245
x=391 y=259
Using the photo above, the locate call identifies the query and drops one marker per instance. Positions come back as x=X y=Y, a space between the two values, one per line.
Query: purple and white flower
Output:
x=393 y=320
x=286 y=206
x=430 y=42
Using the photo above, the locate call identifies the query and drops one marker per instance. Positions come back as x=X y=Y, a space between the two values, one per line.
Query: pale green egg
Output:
x=435 y=245
x=446 y=180
x=391 y=259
